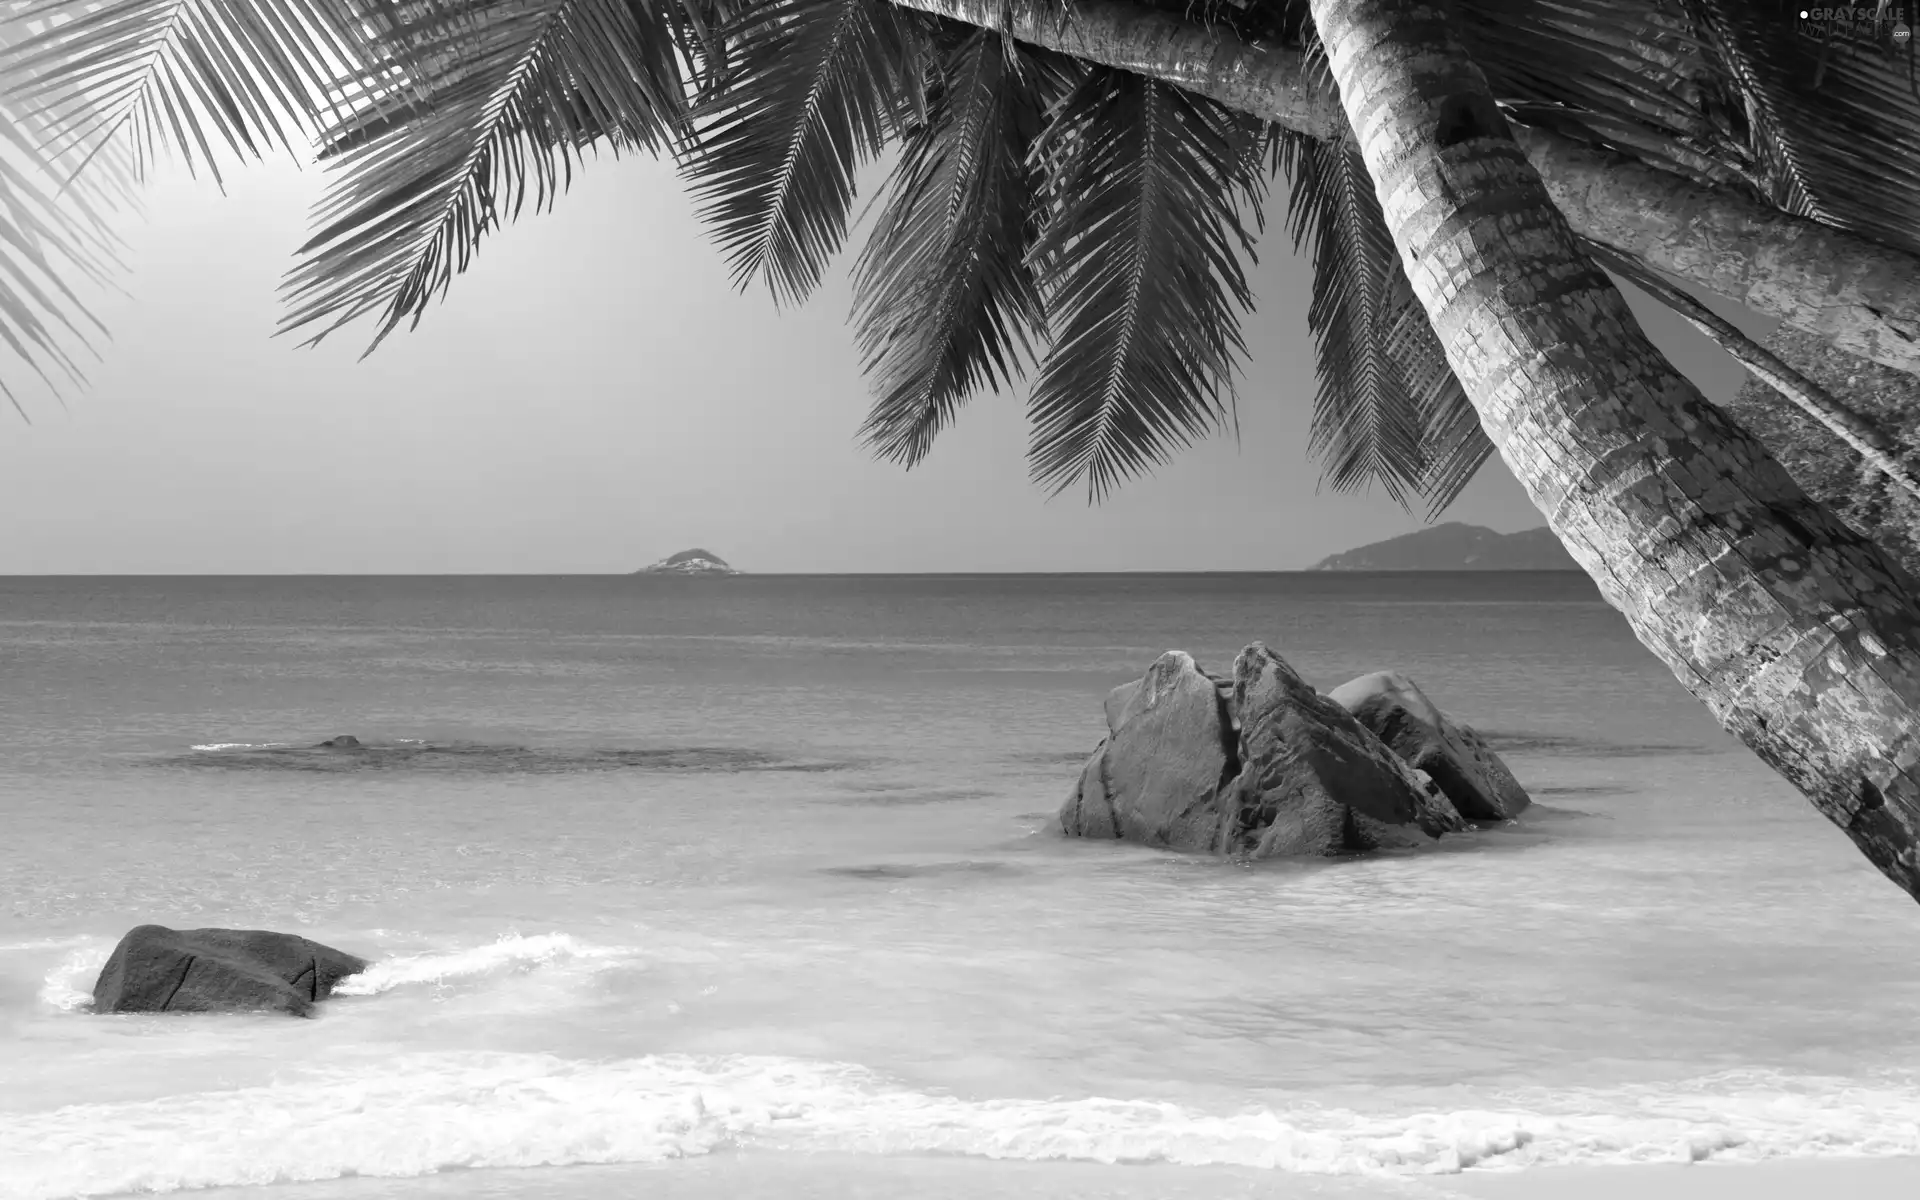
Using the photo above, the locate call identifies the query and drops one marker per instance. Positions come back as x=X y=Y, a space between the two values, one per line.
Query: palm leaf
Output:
x=1836 y=121
x=1367 y=424
x=1626 y=60
x=196 y=77
x=811 y=89
x=503 y=112
x=944 y=299
x=1731 y=92
x=1453 y=443
x=52 y=235
x=1139 y=265
x=1748 y=87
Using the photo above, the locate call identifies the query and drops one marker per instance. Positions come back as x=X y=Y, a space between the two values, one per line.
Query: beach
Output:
x=750 y=886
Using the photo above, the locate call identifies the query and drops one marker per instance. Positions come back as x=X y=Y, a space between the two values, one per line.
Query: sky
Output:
x=593 y=395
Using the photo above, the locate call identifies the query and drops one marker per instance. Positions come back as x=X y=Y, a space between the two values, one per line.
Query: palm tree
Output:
x=1797 y=632
x=1089 y=206
x=1695 y=138
x=1678 y=135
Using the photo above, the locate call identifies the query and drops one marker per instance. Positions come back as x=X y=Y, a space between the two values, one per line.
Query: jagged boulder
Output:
x=1157 y=778
x=1458 y=759
x=1261 y=765
x=1313 y=780
x=156 y=969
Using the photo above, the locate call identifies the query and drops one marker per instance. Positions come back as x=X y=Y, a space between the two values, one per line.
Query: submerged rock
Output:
x=156 y=969
x=1458 y=760
x=1261 y=766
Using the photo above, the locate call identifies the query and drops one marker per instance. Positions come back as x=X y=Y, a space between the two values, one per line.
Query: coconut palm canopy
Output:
x=1044 y=215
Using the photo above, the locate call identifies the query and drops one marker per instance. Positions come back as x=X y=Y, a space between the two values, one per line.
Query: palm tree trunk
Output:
x=1798 y=633
x=1887 y=402
x=1864 y=438
x=1861 y=296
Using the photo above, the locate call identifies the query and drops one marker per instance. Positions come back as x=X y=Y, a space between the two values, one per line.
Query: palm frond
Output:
x=1367 y=424
x=1752 y=95
x=944 y=298
x=1627 y=60
x=811 y=89
x=1139 y=264
x=52 y=235
x=1820 y=118
x=195 y=77
x=505 y=110
x=1835 y=119
x=1453 y=443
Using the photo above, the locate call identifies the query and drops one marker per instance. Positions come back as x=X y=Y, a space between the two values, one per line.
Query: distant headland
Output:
x=1457 y=546
x=689 y=562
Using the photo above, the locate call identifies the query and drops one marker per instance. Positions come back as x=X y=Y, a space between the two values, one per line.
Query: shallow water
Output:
x=695 y=875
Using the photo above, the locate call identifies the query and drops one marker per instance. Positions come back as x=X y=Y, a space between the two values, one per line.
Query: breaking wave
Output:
x=513 y=953
x=423 y=1113
x=69 y=986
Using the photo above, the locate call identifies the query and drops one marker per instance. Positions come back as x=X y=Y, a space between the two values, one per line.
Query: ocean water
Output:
x=748 y=887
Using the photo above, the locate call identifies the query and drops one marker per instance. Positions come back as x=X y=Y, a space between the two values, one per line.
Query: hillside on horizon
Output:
x=1457 y=546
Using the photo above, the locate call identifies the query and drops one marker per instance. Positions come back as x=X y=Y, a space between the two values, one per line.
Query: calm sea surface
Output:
x=747 y=887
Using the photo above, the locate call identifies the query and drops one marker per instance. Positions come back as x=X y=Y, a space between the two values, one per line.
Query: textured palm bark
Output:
x=1818 y=403
x=1215 y=62
x=1888 y=402
x=1856 y=293
x=1800 y=635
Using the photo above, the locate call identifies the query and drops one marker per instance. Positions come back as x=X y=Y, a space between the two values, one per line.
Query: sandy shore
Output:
x=1780 y=1179
x=764 y=1176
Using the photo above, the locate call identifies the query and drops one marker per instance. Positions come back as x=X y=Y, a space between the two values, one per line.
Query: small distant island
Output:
x=689 y=562
x=1457 y=546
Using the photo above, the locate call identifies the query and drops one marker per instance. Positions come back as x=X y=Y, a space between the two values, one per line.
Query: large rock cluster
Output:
x=1262 y=765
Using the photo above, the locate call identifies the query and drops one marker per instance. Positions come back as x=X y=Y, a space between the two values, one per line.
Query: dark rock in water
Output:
x=156 y=969
x=1269 y=768
x=1457 y=758
x=1157 y=777
x=345 y=741
x=1314 y=780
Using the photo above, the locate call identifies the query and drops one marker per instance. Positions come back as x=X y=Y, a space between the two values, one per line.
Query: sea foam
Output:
x=69 y=985
x=422 y=1113
x=513 y=952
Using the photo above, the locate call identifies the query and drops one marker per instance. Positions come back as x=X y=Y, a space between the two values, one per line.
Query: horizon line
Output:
x=772 y=574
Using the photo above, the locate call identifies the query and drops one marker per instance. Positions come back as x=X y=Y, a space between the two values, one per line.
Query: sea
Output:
x=751 y=887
